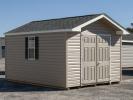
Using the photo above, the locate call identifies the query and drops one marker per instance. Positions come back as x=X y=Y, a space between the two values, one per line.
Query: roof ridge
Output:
x=67 y=17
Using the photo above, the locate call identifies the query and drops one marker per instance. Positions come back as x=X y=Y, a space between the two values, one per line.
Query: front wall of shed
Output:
x=49 y=69
x=73 y=59
x=73 y=53
x=115 y=50
x=127 y=55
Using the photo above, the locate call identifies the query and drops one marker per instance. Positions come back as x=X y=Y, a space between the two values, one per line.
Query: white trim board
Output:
x=77 y=28
x=130 y=41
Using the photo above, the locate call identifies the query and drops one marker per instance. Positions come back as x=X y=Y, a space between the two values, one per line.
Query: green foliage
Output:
x=130 y=29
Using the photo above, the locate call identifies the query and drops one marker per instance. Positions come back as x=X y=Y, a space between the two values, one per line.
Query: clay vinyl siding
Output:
x=103 y=28
x=127 y=55
x=73 y=59
x=49 y=69
x=115 y=58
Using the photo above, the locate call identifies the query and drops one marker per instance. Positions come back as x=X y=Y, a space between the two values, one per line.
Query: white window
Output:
x=3 y=51
x=31 y=47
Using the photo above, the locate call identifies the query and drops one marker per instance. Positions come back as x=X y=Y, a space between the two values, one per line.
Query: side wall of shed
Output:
x=49 y=69
x=127 y=55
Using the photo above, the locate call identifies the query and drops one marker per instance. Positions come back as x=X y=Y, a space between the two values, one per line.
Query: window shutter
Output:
x=36 y=47
x=26 y=47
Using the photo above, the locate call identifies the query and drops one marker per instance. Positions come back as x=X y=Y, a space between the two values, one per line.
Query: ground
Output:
x=15 y=91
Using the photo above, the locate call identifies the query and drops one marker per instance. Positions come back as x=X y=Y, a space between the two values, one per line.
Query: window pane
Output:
x=31 y=42
x=3 y=51
x=31 y=53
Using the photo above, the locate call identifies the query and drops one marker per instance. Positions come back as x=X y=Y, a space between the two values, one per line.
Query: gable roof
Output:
x=73 y=24
x=54 y=24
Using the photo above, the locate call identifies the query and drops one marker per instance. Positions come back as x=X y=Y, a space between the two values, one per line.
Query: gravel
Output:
x=15 y=91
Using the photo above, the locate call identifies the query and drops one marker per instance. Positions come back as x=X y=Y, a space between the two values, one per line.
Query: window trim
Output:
x=32 y=48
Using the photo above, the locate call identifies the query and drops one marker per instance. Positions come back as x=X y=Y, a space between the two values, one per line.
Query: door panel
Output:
x=95 y=58
x=88 y=59
x=103 y=58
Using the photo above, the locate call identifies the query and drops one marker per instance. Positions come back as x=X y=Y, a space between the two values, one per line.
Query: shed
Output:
x=127 y=51
x=2 y=47
x=2 y=54
x=65 y=52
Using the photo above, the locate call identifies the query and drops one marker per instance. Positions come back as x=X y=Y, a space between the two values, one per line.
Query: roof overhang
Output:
x=122 y=32
x=37 y=32
x=79 y=28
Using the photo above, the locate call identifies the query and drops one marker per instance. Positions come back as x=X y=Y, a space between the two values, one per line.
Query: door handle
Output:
x=98 y=63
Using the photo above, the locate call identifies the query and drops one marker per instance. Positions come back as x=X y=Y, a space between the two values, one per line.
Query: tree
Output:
x=130 y=29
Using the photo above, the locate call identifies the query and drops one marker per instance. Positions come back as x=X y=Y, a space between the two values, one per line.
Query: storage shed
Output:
x=127 y=51
x=2 y=47
x=65 y=52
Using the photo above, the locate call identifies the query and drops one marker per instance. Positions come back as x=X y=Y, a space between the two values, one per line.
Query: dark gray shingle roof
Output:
x=54 y=24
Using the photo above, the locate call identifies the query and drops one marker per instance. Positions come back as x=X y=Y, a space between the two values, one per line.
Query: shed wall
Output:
x=73 y=59
x=127 y=55
x=115 y=50
x=115 y=58
x=73 y=53
x=50 y=69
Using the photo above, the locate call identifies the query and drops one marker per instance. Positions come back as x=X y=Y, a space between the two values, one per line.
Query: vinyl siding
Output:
x=100 y=27
x=73 y=59
x=73 y=53
x=50 y=69
x=127 y=55
x=115 y=58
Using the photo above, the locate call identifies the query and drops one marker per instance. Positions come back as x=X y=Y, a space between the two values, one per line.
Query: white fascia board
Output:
x=37 y=32
x=121 y=28
x=130 y=41
x=98 y=18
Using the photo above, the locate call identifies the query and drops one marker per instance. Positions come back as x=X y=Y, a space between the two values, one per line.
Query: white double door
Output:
x=95 y=58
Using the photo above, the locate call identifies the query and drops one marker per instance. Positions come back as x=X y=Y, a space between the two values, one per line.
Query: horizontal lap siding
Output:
x=127 y=55
x=102 y=28
x=50 y=69
x=73 y=59
x=115 y=58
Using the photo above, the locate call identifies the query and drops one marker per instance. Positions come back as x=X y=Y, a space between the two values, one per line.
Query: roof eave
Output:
x=78 y=28
x=37 y=32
